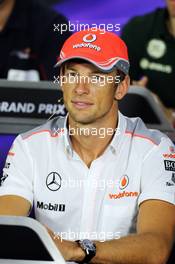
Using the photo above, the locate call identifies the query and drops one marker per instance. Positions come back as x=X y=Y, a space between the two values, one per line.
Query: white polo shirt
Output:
x=100 y=202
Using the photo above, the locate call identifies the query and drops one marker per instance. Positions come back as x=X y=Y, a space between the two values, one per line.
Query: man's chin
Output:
x=84 y=120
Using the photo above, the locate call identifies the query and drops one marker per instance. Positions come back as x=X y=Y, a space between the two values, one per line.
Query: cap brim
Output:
x=120 y=64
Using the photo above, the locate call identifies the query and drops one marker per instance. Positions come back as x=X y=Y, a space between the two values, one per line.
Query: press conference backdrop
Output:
x=24 y=105
x=29 y=99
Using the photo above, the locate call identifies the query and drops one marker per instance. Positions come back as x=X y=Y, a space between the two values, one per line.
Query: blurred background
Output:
x=103 y=11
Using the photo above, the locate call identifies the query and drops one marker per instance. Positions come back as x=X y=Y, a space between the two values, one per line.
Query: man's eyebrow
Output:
x=71 y=67
x=99 y=72
x=93 y=72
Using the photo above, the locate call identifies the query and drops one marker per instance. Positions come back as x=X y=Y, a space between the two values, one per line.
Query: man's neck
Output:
x=171 y=26
x=90 y=146
x=5 y=11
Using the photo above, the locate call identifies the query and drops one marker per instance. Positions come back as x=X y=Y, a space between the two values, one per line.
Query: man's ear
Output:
x=122 y=88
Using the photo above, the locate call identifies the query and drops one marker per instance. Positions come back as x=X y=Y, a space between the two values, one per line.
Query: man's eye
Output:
x=74 y=74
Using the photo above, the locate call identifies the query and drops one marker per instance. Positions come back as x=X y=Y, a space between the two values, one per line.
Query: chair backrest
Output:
x=25 y=105
x=23 y=238
x=141 y=102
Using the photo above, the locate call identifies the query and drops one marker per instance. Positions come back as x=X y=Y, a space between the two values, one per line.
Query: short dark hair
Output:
x=119 y=72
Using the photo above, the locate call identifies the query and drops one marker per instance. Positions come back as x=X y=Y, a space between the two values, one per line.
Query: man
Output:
x=151 y=41
x=28 y=44
x=115 y=188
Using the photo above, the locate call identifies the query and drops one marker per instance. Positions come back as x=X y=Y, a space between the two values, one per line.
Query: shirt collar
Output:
x=120 y=130
x=67 y=141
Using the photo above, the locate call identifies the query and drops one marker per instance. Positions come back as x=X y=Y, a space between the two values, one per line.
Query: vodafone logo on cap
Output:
x=124 y=181
x=89 y=37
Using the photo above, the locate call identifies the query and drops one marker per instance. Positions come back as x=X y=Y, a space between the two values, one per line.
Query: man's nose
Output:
x=82 y=85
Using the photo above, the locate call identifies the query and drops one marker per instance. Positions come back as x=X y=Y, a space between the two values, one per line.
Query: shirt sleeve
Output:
x=158 y=173
x=17 y=176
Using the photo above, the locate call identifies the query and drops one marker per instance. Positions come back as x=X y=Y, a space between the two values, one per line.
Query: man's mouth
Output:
x=81 y=104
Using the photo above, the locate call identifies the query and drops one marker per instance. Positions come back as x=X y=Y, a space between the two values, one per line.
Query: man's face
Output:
x=171 y=7
x=88 y=93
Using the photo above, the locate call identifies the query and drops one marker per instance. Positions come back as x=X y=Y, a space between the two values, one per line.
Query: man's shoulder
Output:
x=137 y=129
x=52 y=128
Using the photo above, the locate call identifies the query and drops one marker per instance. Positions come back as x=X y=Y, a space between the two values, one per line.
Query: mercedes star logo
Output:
x=53 y=181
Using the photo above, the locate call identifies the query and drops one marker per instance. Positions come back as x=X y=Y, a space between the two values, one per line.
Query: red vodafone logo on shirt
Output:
x=123 y=195
x=124 y=181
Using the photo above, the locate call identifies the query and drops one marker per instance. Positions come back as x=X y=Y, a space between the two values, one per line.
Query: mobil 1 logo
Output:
x=169 y=165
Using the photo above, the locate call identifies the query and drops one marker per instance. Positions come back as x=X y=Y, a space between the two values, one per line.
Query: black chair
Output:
x=141 y=102
x=25 y=105
x=25 y=239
